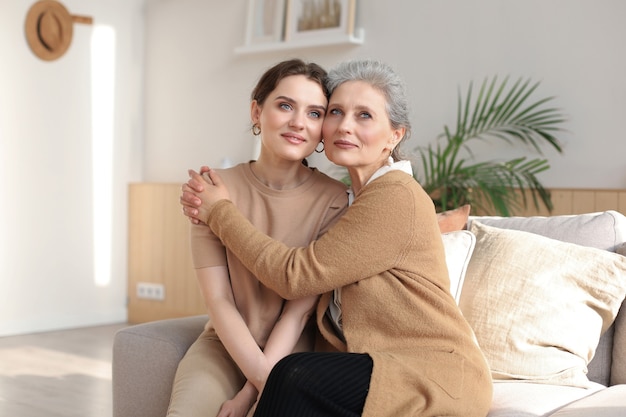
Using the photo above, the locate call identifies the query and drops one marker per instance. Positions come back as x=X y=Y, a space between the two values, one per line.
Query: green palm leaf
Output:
x=501 y=113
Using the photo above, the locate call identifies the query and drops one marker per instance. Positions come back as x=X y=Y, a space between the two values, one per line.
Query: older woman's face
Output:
x=357 y=132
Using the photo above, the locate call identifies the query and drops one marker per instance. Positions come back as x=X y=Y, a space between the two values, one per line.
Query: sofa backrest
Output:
x=602 y=230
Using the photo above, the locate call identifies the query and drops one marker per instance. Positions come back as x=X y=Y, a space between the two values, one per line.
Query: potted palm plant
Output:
x=449 y=172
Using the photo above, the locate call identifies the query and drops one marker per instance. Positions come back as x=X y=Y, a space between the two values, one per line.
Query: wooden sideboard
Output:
x=159 y=245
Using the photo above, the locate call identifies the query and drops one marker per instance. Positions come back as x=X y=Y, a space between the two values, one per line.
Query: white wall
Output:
x=47 y=278
x=194 y=110
x=197 y=88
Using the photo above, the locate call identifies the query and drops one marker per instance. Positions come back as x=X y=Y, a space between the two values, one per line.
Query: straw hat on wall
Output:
x=49 y=29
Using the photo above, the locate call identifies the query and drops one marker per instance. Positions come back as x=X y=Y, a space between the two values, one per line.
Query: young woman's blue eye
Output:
x=335 y=112
x=285 y=106
x=316 y=114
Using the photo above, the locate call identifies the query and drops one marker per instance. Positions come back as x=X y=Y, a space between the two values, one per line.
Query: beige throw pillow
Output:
x=538 y=306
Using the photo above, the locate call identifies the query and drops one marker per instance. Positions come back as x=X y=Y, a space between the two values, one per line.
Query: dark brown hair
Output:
x=270 y=79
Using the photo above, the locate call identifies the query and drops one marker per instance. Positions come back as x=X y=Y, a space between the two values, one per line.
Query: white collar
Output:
x=404 y=166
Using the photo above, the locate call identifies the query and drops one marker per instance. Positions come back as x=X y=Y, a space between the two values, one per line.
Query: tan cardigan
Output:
x=387 y=255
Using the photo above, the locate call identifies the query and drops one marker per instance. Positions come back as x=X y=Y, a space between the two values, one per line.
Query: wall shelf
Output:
x=356 y=39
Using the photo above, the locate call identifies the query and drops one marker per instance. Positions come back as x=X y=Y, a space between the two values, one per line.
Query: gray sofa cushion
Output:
x=145 y=357
x=602 y=230
x=618 y=363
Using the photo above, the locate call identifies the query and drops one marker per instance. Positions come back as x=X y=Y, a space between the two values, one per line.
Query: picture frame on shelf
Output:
x=266 y=21
x=311 y=19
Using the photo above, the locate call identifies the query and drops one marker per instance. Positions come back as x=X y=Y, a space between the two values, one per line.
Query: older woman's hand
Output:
x=200 y=193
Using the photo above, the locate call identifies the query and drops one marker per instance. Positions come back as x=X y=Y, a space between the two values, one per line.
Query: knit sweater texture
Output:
x=386 y=253
x=294 y=216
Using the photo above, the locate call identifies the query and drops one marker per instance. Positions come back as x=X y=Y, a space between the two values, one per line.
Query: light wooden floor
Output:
x=57 y=374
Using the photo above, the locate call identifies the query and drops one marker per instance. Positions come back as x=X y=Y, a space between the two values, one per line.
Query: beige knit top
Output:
x=294 y=216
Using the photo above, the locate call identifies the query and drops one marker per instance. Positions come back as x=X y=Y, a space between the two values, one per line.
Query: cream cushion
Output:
x=537 y=305
x=609 y=402
x=526 y=399
x=458 y=247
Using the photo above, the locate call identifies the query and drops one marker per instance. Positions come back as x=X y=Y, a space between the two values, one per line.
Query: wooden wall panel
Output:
x=578 y=201
x=159 y=253
x=159 y=244
x=562 y=200
x=621 y=202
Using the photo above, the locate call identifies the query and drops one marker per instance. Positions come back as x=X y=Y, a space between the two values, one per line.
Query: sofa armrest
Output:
x=145 y=359
x=610 y=402
x=618 y=366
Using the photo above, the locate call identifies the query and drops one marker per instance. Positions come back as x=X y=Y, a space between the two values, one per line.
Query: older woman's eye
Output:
x=365 y=115
x=335 y=112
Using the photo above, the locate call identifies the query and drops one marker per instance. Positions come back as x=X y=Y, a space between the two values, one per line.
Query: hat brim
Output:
x=48 y=29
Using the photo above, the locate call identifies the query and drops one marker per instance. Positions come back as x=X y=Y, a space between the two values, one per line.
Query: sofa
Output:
x=543 y=296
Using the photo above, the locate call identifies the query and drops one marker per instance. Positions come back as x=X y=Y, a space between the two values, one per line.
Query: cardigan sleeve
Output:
x=371 y=237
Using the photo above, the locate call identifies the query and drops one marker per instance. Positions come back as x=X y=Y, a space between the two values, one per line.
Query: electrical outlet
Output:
x=150 y=291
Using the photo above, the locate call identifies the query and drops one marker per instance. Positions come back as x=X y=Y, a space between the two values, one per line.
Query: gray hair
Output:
x=382 y=77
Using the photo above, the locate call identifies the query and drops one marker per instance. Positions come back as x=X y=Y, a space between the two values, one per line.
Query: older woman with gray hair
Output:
x=392 y=340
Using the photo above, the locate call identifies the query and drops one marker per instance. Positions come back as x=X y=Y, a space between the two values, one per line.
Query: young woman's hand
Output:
x=234 y=408
x=240 y=404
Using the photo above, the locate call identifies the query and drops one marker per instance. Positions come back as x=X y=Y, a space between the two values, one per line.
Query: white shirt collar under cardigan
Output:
x=390 y=165
x=334 y=307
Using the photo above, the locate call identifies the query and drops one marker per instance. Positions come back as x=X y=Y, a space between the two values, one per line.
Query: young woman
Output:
x=396 y=342
x=250 y=326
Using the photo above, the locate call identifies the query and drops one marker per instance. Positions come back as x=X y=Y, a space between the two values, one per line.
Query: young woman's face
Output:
x=357 y=132
x=291 y=118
